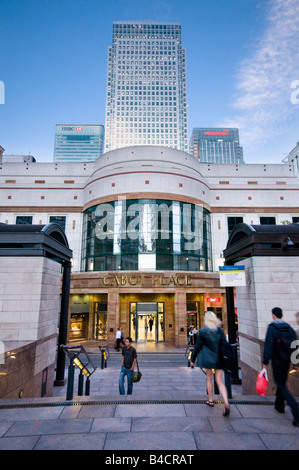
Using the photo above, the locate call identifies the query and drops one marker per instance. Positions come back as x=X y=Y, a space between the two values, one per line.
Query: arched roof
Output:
x=34 y=240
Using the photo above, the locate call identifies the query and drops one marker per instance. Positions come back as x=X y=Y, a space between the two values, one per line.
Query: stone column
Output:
x=112 y=315
x=180 y=309
x=270 y=282
x=63 y=327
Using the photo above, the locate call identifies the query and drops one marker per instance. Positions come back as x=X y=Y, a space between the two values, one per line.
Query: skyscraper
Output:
x=78 y=142
x=146 y=101
x=216 y=145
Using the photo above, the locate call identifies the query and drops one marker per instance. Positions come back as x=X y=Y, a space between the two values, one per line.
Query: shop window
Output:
x=100 y=320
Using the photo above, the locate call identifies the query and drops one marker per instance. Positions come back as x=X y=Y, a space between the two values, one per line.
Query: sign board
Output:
x=232 y=276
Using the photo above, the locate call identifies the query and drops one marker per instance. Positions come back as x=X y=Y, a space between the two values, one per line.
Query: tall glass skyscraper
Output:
x=78 y=142
x=146 y=101
x=216 y=145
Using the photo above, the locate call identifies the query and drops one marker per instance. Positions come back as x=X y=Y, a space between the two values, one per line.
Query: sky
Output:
x=242 y=68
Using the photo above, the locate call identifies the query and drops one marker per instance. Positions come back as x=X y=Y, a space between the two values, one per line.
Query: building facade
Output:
x=147 y=226
x=293 y=159
x=216 y=145
x=78 y=142
x=146 y=102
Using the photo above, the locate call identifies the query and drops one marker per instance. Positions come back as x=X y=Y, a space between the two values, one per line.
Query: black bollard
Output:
x=70 y=381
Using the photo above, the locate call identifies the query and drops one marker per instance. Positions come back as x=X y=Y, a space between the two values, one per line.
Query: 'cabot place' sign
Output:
x=156 y=280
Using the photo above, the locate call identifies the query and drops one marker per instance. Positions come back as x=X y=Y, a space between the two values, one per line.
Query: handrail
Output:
x=75 y=353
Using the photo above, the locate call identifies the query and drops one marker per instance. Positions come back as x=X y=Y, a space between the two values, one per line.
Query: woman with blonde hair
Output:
x=207 y=349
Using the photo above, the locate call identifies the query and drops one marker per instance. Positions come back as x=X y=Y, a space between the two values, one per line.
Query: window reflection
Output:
x=176 y=233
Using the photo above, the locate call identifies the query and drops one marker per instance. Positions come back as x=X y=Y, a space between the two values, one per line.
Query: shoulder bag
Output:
x=136 y=375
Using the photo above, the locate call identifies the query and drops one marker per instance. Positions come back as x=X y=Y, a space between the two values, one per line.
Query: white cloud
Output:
x=263 y=103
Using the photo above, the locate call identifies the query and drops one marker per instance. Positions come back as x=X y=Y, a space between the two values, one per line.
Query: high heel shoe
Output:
x=226 y=411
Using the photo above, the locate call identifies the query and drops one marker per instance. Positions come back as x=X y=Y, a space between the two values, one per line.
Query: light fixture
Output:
x=287 y=243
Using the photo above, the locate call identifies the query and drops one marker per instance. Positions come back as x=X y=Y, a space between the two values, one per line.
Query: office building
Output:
x=146 y=101
x=78 y=142
x=216 y=145
x=18 y=159
x=147 y=227
x=293 y=159
x=1 y=152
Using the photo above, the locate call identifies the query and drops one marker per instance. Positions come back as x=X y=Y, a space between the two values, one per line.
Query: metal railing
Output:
x=79 y=357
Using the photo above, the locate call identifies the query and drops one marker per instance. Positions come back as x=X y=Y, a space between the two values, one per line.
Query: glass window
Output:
x=295 y=220
x=170 y=234
x=232 y=222
x=267 y=220
x=58 y=219
x=24 y=219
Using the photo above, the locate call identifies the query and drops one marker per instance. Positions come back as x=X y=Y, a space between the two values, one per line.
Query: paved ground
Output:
x=165 y=412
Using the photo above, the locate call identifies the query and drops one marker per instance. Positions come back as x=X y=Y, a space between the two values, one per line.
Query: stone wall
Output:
x=270 y=282
x=29 y=308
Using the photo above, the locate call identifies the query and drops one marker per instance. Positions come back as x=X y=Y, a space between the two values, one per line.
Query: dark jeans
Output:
x=121 y=382
x=280 y=372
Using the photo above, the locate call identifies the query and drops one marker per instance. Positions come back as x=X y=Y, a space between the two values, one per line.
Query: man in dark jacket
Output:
x=278 y=338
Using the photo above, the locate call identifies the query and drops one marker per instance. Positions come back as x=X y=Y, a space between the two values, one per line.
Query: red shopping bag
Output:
x=262 y=382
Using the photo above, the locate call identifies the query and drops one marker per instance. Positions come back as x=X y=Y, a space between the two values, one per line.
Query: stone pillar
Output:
x=112 y=315
x=29 y=306
x=270 y=282
x=63 y=327
x=180 y=309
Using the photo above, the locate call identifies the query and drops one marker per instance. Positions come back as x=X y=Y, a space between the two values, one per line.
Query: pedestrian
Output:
x=278 y=338
x=190 y=340
x=129 y=358
x=122 y=336
x=195 y=333
x=207 y=349
x=118 y=338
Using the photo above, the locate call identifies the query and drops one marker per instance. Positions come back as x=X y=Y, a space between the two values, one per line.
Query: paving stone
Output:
x=228 y=441
x=97 y=411
x=54 y=426
x=205 y=410
x=4 y=426
x=257 y=411
x=180 y=424
x=111 y=425
x=150 y=441
x=264 y=425
x=149 y=410
x=72 y=442
x=281 y=441
x=23 y=414
x=18 y=443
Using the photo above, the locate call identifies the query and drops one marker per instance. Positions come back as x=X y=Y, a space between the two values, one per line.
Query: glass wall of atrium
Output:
x=146 y=234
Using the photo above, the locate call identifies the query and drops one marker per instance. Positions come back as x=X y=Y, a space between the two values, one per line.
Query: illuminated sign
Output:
x=213 y=299
x=71 y=128
x=217 y=132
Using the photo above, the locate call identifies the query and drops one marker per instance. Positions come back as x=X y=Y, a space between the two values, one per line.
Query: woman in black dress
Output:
x=207 y=349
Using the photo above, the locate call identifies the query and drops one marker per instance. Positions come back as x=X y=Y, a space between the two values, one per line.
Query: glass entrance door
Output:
x=147 y=322
x=147 y=327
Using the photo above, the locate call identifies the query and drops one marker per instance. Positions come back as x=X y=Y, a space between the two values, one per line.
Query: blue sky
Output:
x=242 y=57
